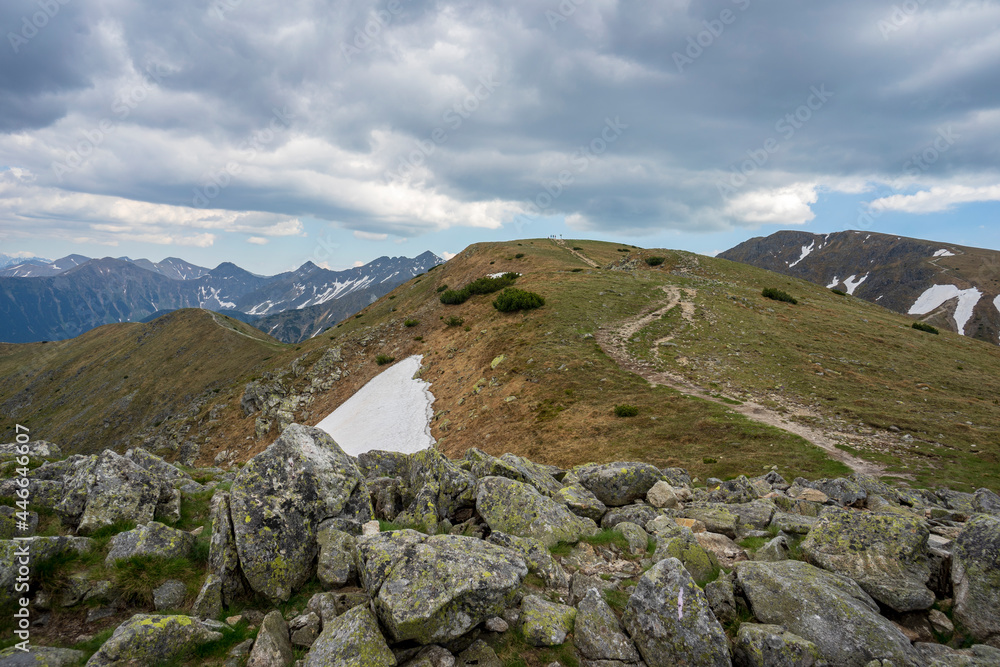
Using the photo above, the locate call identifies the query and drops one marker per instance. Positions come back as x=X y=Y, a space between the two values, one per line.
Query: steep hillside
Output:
x=724 y=380
x=949 y=286
x=123 y=384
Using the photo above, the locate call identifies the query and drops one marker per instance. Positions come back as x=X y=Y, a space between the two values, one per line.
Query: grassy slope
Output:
x=99 y=389
x=552 y=396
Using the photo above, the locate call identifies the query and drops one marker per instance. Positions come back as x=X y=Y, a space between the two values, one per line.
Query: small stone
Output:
x=497 y=624
x=370 y=528
x=170 y=595
x=941 y=623
x=662 y=495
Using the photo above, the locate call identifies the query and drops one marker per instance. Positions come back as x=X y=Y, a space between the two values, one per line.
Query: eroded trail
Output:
x=614 y=341
x=580 y=255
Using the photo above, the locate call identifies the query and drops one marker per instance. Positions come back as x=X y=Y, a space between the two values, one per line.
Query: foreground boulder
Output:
x=545 y=623
x=223 y=559
x=353 y=639
x=445 y=585
x=620 y=483
x=670 y=620
x=278 y=501
x=152 y=640
x=105 y=489
x=772 y=646
x=519 y=509
x=976 y=577
x=598 y=634
x=885 y=553
x=153 y=539
x=828 y=609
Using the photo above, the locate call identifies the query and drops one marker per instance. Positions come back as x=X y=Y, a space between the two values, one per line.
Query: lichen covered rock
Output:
x=760 y=645
x=828 y=609
x=152 y=640
x=278 y=501
x=443 y=586
x=153 y=539
x=976 y=577
x=885 y=553
x=670 y=621
x=519 y=509
x=598 y=634
x=105 y=489
x=545 y=623
x=353 y=639
x=620 y=483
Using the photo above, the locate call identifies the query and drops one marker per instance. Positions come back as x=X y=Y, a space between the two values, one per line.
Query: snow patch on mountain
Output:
x=805 y=253
x=365 y=421
x=834 y=283
x=936 y=295
x=944 y=253
x=208 y=297
x=852 y=284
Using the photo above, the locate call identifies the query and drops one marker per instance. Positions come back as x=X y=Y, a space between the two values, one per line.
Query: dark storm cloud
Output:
x=406 y=116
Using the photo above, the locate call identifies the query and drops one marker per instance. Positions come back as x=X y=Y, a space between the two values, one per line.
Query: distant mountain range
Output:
x=43 y=300
x=11 y=260
x=950 y=286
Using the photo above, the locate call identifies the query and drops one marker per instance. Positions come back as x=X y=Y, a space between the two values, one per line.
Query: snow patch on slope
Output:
x=392 y=412
x=805 y=253
x=834 y=283
x=996 y=303
x=936 y=295
x=944 y=253
x=853 y=284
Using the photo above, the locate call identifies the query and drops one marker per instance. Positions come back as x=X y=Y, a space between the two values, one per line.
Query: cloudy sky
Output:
x=271 y=133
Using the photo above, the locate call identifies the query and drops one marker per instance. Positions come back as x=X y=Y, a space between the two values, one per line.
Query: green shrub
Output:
x=487 y=285
x=454 y=321
x=411 y=323
x=778 y=295
x=513 y=299
x=626 y=410
x=442 y=288
x=383 y=359
x=577 y=270
x=655 y=261
x=921 y=326
x=519 y=255
x=454 y=297
x=576 y=247
x=839 y=291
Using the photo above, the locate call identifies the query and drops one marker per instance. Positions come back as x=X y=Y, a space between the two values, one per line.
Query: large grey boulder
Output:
x=975 y=575
x=619 y=483
x=828 y=609
x=519 y=509
x=378 y=554
x=34 y=550
x=272 y=647
x=846 y=492
x=545 y=623
x=445 y=585
x=513 y=467
x=151 y=640
x=681 y=543
x=886 y=554
x=105 y=489
x=353 y=639
x=760 y=645
x=670 y=621
x=579 y=500
x=598 y=634
x=336 y=563
x=223 y=559
x=718 y=518
x=280 y=498
x=153 y=539
x=538 y=559
x=40 y=656
x=455 y=487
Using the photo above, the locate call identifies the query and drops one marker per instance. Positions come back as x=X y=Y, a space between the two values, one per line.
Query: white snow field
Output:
x=391 y=412
x=805 y=253
x=944 y=253
x=852 y=284
x=936 y=295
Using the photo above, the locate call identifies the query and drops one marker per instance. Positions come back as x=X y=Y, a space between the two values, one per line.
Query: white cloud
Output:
x=258 y=240
x=938 y=198
x=448 y=255
x=370 y=236
x=789 y=205
x=357 y=264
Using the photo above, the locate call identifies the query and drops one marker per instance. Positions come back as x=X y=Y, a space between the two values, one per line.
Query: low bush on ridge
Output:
x=513 y=299
x=778 y=295
x=920 y=326
x=484 y=285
